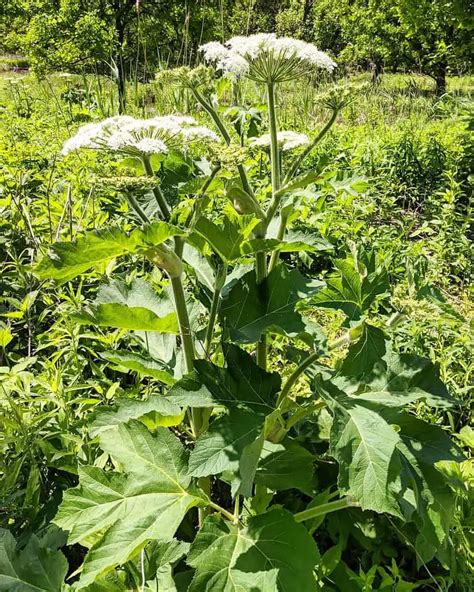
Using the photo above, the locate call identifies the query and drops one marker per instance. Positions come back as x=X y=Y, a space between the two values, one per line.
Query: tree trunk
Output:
x=376 y=70
x=440 y=79
x=307 y=20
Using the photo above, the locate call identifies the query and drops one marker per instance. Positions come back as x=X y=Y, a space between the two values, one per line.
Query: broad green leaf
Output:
x=240 y=384
x=364 y=445
x=125 y=361
x=135 y=307
x=220 y=448
x=271 y=543
x=286 y=466
x=39 y=567
x=354 y=287
x=124 y=317
x=427 y=497
x=387 y=462
x=65 y=261
x=229 y=239
x=249 y=310
x=365 y=353
x=117 y=514
x=158 y=408
x=378 y=374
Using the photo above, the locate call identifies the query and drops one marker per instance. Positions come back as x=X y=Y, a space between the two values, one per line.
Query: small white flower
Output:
x=287 y=140
x=266 y=58
x=136 y=137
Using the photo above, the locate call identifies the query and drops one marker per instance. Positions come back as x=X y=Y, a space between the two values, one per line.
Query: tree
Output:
x=439 y=33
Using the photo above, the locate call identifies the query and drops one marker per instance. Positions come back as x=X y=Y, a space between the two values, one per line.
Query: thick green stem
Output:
x=216 y=299
x=274 y=150
x=305 y=364
x=183 y=320
x=341 y=504
x=261 y=273
x=133 y=203
x=280 y=234
x=160 y=198
x=224 y=133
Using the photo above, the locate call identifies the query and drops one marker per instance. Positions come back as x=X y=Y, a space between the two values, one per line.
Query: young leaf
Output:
x=39 y=567
x=225 y=555
x=354 y=288
x=65 y=261
x=116 y=514
x=250 y=309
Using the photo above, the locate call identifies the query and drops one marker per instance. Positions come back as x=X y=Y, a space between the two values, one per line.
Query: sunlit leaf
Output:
x=250 y=309
x=116 y=514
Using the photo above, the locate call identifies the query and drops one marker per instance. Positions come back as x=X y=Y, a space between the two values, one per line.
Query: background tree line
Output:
x=134 y=37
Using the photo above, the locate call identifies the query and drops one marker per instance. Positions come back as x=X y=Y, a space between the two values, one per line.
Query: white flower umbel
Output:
x=266 y=58
x=137 y=137
x=287 y=140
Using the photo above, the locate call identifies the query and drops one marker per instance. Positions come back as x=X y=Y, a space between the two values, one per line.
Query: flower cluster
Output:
x=266 y=58
x=287 y=140
x=135 y=137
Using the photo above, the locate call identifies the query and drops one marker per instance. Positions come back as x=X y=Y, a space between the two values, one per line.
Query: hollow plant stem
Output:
x=274 y=150
x=224 y=133
x=216 y=300
x=160 y=198
x=341 y=504
x=280 y=234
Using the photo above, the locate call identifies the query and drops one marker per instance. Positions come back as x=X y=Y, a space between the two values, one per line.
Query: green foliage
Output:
x=223 y=477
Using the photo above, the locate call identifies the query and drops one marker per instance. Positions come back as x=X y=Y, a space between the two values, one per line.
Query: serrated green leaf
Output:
x=220 y=447
x=116 y=514
x=124 y=317
x=126 y=409
x=380 y=375
x=240 y=384
x=286 y=466
x=143 y=366
x=39 y=567
x=354 y=287
x=65 y=261
x=271 y=543
x=364 y=445
x=249 y=309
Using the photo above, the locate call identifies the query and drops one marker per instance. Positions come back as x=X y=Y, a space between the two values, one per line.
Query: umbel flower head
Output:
x=287 y=140
x=264 y=57
x=138 y=137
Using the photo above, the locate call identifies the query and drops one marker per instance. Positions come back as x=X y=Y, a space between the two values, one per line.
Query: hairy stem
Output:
x=280 y=234
x=261 y=273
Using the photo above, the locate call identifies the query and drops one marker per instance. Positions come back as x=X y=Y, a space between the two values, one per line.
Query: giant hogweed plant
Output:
x=216 y=482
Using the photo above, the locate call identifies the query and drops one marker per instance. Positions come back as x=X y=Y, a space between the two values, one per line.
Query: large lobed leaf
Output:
x=272 y=553
x=39 y=567
x=117 y=514
x=250 y=309
x=67 y=260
